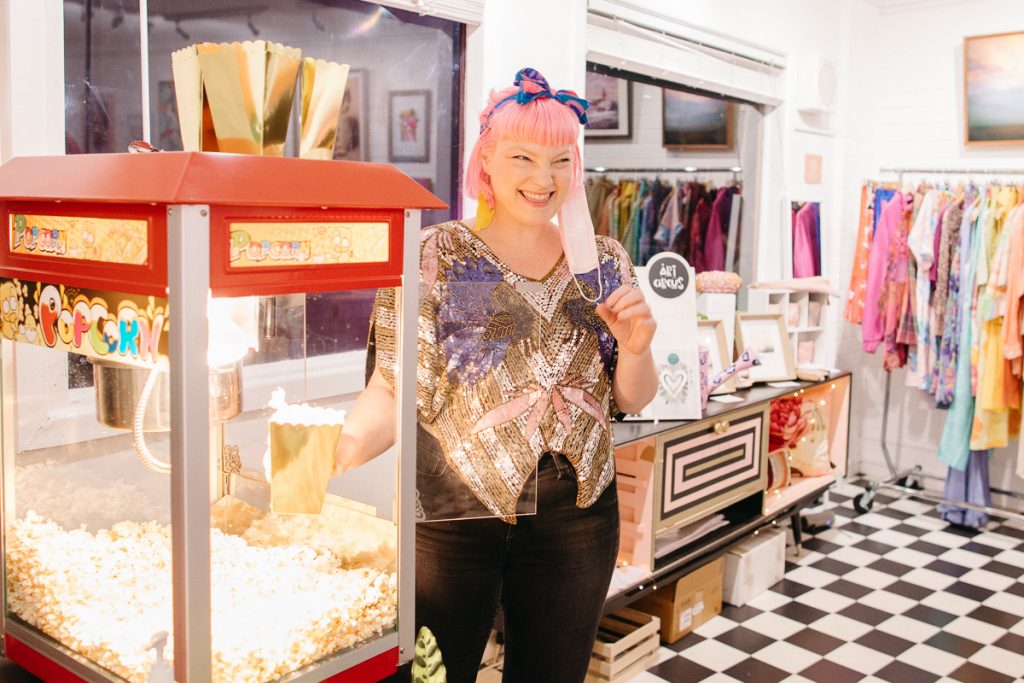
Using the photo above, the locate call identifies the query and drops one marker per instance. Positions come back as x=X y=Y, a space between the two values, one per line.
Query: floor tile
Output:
x=875 y=547
x=815 y=641
x=787 y=656
x=1014 y=557
x=878 y=521
x=710 y=654
x=908 y=590
x=997 y=567
x=887 y=566
x=842 y=535
x=987 y=579
x=870 y=578
x=648 y=677
x=947 y=602
x=855 y=527
x=833 y=566
x=909 y=557
x=797 y=611
x=680 y=669
x=806 y=557
x=848 y=589
x=982 y=549
x=687 y=641
x=666 y=653
x=711 y=628
x=790 y=588
x=910 y=529
x=911 y=506
x=885 y=642
x=998 y=540
x=1011 y=642
x=975 y=630
x=1016 y=589
x=929 y=548
x=889 y=511
x=929 y=579
x=969 y=590
x=830 y=672
x=891 y=537
x=756 y=670
x=996 y=617
x=947 y=568
x=823 y=599
x=944 y=538
x=744 y=639
x=841 y=627
x=970 y=672
x=1007 y=602
x=927 y=522
x=910 y=629
x=931 y=659
x=865 y=614
x=960 y=530
x=930 y=615
x=778 y=626
x=768 y=601
x=739 y=614
x=851 y=555
x=954 y=644
x=818 y=545
x=901 y=672
x=859 y=658
x=1003 y=661
x=965 y=558
x=888 y=602
x=809 y=576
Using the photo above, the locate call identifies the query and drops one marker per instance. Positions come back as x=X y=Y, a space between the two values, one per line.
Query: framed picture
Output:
x=766 y=334
x=409 y=125
x=993 y=90
x=610 y=104
x=168 y=134
x=350 y=144
x=711 y=333
x=693 y=122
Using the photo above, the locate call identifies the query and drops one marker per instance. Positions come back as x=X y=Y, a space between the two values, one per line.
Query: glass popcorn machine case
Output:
x=181 y=335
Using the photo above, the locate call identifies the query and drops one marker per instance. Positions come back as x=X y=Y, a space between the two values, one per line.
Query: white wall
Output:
x=909 y=100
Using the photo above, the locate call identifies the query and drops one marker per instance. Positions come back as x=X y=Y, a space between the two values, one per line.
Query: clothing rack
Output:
x=903 y=482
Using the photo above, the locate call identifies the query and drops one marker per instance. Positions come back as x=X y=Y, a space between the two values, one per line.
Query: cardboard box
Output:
x=688 y=603
x=754 y=565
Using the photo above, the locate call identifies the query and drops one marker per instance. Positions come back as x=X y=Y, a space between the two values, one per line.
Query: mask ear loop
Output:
x=600 y=287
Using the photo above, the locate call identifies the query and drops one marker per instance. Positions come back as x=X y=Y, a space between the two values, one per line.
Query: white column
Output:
x=548 y=35
x=31 y=78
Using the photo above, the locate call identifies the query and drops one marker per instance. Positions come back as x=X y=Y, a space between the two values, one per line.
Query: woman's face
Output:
x=530 y=181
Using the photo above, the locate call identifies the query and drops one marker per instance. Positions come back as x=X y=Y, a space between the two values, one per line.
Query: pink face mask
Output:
x=578 y=242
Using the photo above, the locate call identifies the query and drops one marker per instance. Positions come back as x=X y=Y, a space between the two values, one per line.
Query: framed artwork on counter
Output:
x=409 y=125
x=994 y=90
x=711 y=333
x=766 y=335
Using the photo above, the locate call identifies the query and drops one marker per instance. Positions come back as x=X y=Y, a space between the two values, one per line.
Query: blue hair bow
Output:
x=532 y=85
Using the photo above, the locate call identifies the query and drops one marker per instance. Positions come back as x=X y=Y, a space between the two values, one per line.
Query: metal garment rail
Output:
x=684 y=169
x=903 y=481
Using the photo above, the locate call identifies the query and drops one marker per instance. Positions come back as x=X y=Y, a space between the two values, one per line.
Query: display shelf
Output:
x=781 y=499
x=802 y=330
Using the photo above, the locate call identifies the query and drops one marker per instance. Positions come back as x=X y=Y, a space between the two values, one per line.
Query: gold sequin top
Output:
x=510 y=367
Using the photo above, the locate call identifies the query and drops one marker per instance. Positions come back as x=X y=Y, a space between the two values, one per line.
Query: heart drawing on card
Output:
x=673 y=380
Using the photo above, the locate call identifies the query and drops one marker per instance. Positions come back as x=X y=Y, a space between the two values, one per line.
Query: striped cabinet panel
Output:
x=705 y=467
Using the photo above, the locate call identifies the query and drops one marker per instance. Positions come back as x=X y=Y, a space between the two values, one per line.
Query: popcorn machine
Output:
x=151 y=305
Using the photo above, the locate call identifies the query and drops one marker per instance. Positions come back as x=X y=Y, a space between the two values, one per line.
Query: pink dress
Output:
x=805 y=243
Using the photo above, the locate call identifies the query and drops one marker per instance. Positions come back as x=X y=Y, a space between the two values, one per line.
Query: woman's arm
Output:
x=369 y=427
x=630 y=321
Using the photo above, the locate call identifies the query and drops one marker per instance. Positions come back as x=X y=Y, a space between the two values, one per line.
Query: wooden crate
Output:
x=634 y=465
x=627 y=644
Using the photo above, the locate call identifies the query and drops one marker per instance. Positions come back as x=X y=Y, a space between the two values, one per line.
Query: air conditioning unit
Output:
x=816 y=84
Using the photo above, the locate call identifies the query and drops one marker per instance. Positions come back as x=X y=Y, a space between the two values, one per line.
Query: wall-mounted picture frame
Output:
x=766 y=335
x=409 y=125
x=711 y=333
x=692 y=122
x=353 y=121
x=994 y=90
x=610 y=109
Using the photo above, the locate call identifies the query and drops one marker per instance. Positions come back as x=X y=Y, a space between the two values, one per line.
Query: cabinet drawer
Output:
x=707 y=466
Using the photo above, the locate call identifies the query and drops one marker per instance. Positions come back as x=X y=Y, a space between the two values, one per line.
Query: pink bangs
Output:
x=543 y=121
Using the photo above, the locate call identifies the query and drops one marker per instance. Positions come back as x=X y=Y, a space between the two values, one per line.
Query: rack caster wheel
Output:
x=862 y=502
x=910 y=482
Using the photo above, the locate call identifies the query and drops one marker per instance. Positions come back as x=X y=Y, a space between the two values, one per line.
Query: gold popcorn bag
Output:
x=323 y=90
x=301 y=460
x=235 y=97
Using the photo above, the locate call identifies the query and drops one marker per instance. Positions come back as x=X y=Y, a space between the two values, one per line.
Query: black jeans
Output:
x=550 y=571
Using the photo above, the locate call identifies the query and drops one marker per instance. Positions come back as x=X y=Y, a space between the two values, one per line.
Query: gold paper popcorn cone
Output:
x=323 y=89
x=301 y=460
x=188 y=91
x=227 y=78
x=281 y=72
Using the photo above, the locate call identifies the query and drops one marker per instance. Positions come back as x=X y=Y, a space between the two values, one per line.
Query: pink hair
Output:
x=544 y=121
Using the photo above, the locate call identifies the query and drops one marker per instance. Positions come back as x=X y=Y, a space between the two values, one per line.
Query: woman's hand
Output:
x=629 y=319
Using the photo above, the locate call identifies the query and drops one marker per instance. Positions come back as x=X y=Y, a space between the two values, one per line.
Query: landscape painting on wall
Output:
x=994 y=89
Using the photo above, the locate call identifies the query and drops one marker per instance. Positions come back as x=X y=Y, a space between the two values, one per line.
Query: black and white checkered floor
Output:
x=896 y=595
